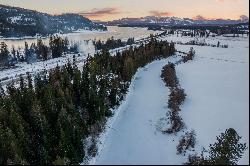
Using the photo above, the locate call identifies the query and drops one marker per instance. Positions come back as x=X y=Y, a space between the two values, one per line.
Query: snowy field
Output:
x=133 y=137
x=217 y=86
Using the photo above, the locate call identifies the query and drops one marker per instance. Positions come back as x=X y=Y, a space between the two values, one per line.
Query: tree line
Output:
x=112 y=43
x=45 y=119
x=208 y=30
x=177 y=94
x=36 y=51
x=176 y=98
x=202 y=43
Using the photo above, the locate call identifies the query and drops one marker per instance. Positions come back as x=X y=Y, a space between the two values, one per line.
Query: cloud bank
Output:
x=95 y=13
x=159 y=13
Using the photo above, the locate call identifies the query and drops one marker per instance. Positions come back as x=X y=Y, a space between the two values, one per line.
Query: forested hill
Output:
x=17 y=22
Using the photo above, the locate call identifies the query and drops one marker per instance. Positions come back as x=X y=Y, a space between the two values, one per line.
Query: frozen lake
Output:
x=116 y=32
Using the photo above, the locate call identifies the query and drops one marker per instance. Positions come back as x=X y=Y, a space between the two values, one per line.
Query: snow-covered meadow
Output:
x=133 y=137
x=217 y=86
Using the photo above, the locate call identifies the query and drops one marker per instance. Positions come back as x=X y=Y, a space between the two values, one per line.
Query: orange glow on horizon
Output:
x=107 y=10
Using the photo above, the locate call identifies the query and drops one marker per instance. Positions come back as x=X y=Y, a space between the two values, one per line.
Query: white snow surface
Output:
x=7 y=75
x=217 y=86
x=132 y=137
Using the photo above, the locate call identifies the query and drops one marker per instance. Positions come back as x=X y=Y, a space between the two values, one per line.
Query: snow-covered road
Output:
x=133 y=138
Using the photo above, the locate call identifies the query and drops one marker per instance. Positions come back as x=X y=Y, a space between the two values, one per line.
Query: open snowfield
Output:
x=217 y=86
x=133 y=138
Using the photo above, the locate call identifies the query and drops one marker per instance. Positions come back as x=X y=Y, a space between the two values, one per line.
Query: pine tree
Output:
x=227 y=150
x=4 y=54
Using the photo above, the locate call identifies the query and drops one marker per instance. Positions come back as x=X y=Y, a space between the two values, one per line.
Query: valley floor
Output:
x=217 y=86
x=133 y=138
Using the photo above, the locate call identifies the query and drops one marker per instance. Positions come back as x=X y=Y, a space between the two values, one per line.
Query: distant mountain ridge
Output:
x=172 y=21
x=17 y=22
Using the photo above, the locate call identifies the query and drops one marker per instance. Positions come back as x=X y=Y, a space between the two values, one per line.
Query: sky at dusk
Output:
x=115 y=9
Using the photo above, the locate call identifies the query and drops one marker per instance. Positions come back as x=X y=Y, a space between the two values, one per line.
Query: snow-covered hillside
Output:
x=19 y=22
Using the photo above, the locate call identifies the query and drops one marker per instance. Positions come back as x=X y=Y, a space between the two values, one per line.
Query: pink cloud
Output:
x=159 y=13
x=100 y=12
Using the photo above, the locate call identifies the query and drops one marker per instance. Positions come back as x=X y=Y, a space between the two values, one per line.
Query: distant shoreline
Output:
x=80 y=31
